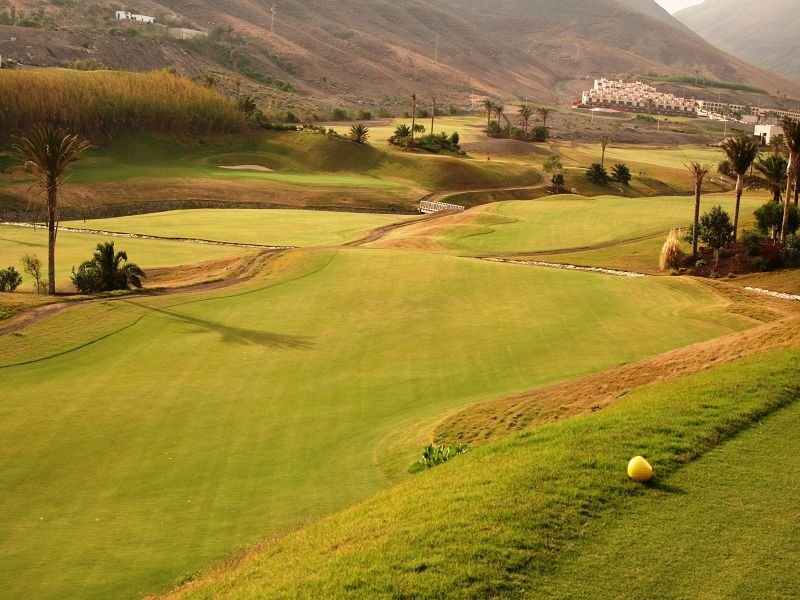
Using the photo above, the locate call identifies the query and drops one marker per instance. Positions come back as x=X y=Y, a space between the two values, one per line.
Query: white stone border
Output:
x=550 y=265
x=781 y=295
x=142 y=236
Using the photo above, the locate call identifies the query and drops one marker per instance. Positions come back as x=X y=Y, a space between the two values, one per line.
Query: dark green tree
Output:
x=10 y=279
x=769 y=219
x=716 y=230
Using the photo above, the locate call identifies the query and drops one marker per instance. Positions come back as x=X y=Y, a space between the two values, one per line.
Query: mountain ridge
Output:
x=756 y=32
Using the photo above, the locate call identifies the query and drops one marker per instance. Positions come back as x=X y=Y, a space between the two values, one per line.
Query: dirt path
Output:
x=248 y=270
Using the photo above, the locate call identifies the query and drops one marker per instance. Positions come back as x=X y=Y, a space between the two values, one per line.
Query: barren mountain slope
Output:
x=764 y=33
x=353 y=51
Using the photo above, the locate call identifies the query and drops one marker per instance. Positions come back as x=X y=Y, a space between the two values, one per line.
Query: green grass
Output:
x=726 y=526
x=74 y=248
x=269 y=227
x=297 y=159
x=180 y=428
x=566 y=222
x=498 y=521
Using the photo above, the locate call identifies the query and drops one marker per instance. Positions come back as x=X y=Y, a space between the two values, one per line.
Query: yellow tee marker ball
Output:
x=639 y=469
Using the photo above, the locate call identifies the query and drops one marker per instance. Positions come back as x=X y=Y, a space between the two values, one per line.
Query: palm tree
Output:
x=604 y=141
x=359 y=133
x=741 y=152
x=499 y=109
x=114 y=275
x=525 y=114
x=488 y=106
x=107 y=271
x=544 y=112
x=46 y=152
x=402 y=133
x=699 y=172
x=777 y=143
x=770 y=174
x=791 y=132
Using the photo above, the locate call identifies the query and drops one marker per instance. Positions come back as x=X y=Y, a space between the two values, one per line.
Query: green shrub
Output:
x=107 y=271
x=751 y=242
x=10 y=279
x=791 y=250
x=436 y=455
x=716 y=229
x=761 y=264
x=597 y=174
x=769 y=218
x=621 y=173
x=540 y=134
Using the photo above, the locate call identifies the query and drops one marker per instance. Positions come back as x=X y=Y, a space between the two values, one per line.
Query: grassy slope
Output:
x=727 y=524
x=496 y=522
x=73 y=248
x=564 y=222
x=203 y=423
x=269 y=227
x=306 y=169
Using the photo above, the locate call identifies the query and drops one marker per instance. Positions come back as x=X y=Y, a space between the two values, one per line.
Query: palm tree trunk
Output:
x=792 y=172
x=739 y=188
x=51 y=238
x=696 y=227
x=413 y=115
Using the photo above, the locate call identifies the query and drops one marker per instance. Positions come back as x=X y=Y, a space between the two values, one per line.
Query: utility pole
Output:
x=272 y=24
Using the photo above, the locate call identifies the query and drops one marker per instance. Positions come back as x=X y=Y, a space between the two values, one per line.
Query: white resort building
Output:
x=123 y=15
x=636 y=96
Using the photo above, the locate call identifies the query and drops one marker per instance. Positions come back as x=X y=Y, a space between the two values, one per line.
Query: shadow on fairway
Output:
x=239 y=335
x=666 y=488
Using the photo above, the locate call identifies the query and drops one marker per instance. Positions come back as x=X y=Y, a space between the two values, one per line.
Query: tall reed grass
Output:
x=107 y=102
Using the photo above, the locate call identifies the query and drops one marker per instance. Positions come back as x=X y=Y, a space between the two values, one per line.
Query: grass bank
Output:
x=497 y=522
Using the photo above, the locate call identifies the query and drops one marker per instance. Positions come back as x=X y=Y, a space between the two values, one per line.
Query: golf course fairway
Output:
x=142 y=452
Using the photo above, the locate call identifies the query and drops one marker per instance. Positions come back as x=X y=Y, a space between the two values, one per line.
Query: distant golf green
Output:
x=179 y=428
x=74 y=248
x=565 y=222
x=249 y=226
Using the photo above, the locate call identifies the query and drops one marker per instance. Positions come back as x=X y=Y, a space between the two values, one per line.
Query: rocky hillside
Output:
x=377 y=52
x=762 y=33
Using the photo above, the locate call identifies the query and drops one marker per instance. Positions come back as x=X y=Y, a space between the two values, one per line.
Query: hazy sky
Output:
x=674 y=5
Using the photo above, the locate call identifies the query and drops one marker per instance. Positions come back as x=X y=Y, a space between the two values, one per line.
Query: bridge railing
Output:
x=428 y=207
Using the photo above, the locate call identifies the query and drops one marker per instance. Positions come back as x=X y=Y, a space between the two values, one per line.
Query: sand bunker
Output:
x=245 y=167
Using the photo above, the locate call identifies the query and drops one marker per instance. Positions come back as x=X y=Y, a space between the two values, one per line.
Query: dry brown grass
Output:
x=106 y=102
